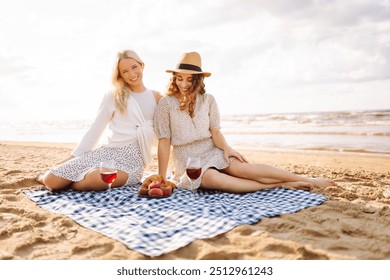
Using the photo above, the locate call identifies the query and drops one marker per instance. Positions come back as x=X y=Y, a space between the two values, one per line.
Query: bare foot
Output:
x=39 y=177
x=305 y=186
x=321 y=183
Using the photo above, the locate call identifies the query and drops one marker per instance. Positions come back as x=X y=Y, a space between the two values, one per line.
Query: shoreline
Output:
x=352 y=224
x=308 y=151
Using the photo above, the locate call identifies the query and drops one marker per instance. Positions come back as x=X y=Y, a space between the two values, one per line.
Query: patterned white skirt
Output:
x=211 y=157
x=127 y=158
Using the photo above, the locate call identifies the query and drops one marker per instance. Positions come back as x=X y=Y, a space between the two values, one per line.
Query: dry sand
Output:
x=353 y=224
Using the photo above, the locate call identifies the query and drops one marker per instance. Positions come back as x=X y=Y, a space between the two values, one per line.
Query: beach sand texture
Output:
x=353 y=224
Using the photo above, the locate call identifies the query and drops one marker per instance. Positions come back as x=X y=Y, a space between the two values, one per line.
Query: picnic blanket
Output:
x=154 y=226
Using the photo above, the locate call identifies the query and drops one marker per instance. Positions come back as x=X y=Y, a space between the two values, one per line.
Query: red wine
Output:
x=194 y=173
x=108 y=177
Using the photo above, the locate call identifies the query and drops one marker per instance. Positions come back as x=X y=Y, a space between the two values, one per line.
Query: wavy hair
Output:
x=188 y=101
x=121 y=88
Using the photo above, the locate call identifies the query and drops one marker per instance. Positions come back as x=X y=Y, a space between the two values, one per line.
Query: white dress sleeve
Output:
x=214 y=113
x=162 y=119
x=103 y=118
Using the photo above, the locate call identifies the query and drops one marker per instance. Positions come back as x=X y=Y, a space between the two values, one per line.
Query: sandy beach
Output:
x=353 y=224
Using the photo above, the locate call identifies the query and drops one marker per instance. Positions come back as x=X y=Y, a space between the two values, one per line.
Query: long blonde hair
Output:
x=188 y=101
x=121 y=89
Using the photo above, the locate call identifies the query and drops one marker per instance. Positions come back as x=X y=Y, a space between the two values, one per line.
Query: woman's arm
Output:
x=220 y=142
x=216 y=134
x=96 y=129
x=164 y=149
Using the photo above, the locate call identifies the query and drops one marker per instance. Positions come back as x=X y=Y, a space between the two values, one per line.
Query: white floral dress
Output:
x=190 y=137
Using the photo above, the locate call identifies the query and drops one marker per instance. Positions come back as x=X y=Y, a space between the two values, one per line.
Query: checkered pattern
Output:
x=154 y=226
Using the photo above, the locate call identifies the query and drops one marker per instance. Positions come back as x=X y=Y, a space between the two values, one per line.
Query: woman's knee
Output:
x=212 y=179
x=93 y=182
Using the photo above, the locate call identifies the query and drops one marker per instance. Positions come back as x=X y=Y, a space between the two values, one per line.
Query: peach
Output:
x=152 y=178
x=166 y=191
x=154 y=184
x=170 y=184
x=143 y=191
x=155 y=192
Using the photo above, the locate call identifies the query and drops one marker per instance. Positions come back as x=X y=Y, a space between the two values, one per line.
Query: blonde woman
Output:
x=188 y=120
x=128 y=112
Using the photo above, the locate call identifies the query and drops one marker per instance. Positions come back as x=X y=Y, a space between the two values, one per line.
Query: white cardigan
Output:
x=128 y=128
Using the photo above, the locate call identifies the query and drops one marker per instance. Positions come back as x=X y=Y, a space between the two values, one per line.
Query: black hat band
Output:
x=184 y=66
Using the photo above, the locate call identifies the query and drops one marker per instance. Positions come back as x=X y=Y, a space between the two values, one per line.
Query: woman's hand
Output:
x=229 y=152
x=220 y=142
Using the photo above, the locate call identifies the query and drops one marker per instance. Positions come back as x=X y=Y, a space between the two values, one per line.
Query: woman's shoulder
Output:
x=209 y=97
x=167 y=99
x=157 y=95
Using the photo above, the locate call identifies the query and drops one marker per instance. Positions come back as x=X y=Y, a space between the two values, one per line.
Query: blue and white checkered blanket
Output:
x=154 y=226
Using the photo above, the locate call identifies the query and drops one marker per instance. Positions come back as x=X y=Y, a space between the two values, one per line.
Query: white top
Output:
x=133 y=127
x=144 y=100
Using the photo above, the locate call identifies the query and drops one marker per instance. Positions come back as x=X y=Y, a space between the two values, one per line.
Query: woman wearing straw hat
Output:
x=188 y=120
x=128 y=112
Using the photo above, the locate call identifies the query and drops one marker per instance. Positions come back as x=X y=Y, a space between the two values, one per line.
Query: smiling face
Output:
x=131 y=72
x=184 y=83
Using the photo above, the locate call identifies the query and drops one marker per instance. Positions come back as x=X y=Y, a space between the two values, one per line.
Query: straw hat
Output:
x=190 y=63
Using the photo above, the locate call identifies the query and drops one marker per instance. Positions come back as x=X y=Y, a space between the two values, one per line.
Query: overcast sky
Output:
x=56 y=57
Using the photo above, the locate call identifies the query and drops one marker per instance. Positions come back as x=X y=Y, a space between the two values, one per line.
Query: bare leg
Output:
x=93 y=182
x=53 y=182
x=40 y=177
x=215 y=180
x=270 y=175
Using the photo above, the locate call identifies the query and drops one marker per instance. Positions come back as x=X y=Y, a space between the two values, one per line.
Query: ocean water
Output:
x=347 y=131
x=366 y=132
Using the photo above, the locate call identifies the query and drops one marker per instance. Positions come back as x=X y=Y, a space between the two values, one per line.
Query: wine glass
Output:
x=193 y=170
x=108 y=172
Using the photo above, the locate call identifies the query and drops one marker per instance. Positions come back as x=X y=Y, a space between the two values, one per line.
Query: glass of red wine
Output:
x=108 y=172
x=193 y=170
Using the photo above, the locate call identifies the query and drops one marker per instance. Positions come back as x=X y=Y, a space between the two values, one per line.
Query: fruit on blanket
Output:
x=151 y=178
x=155 y=192
x=143 y=191
x=166 y=190
x=154 y=185
x=170 y=184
